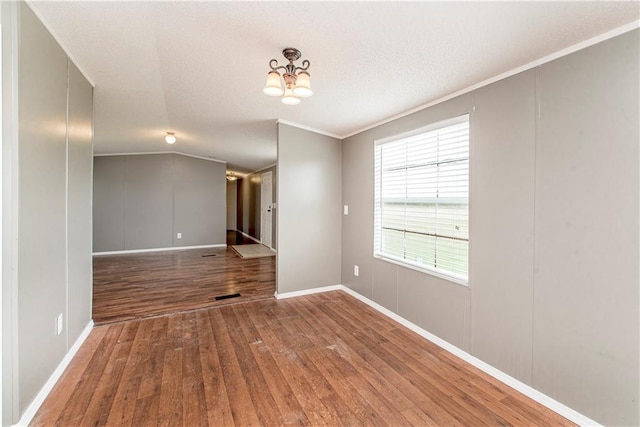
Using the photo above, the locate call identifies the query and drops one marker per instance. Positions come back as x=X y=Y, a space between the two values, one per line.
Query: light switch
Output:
x=59 y=324
x=345 y=209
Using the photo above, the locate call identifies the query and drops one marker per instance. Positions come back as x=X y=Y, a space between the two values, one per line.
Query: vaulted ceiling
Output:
x=198 y=68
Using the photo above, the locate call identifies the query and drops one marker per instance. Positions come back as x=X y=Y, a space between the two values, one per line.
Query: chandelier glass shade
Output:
x=290 y=97
x=297 y=80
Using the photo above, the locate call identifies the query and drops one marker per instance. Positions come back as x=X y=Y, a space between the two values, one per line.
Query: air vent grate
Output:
x=227 y=296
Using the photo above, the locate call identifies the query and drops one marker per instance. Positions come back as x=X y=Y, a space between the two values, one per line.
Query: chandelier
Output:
x=297 y=82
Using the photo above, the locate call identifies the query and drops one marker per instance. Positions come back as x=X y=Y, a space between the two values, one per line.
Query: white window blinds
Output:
x=422 y=199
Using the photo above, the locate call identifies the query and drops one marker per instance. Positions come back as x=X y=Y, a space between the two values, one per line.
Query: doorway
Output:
x=266 y=209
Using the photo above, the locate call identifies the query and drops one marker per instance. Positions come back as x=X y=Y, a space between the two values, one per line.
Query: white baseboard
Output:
x=249 y=237
x=254 y=239
x=310 y=291
x=32 y=409
x=172 y=248
x=518 y=385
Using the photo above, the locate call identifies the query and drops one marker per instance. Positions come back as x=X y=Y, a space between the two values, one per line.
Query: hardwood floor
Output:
x=323 y=359
x=132 y=286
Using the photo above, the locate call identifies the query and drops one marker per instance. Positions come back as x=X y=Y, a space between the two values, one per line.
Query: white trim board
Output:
x=545 y=59
x=307 y=128
x=261 y=169
x=536 y=63
x=249 y=237
x=172 y=248
x=160 y=152
x=518 y=385
x=32 y=409
x=294 y=294
x=255 y=240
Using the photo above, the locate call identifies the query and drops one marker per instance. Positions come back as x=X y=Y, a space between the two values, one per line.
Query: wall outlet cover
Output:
x=179 y=236
x=356 y=270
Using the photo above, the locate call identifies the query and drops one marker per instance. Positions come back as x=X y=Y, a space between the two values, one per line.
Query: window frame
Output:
x=434 y=271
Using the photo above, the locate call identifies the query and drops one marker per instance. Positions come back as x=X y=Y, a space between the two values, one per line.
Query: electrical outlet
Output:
x=356 y=270
x=345 y=209
x=179 y=236
x=59 y=324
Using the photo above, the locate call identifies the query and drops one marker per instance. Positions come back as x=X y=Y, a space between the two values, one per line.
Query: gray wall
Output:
x=8 y=311
x=249 y=203
x=309 y=223
x=553 y=295
x=503 y=157
x=79 y=208
x=587 y=294
x=51 y=200
x=143 y=201
x=200 y=201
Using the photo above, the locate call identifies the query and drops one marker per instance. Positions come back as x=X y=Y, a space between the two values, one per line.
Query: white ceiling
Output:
x=198 y=68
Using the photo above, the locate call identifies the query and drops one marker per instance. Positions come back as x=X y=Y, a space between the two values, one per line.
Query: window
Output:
x=422 y=199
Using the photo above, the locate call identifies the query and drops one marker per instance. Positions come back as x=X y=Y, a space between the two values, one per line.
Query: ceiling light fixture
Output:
x=297 y=80
x=170 y=138
x=231 y=176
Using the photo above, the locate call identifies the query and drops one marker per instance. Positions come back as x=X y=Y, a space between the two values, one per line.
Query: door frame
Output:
x=266 y=208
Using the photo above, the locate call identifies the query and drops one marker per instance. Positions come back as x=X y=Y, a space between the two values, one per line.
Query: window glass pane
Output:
x=422 y=199
x=393 y=243
x=421 y=249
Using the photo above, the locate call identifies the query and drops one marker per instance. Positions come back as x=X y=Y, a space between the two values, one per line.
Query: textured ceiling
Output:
x=197 y=68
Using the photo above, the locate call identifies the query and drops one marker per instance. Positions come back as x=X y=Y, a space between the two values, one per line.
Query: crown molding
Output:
x=261 y=169
x=160 y=152
x=545 y=59
x=310 y=129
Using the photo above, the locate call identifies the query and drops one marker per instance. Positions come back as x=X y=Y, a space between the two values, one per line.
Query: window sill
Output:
x=453 y=279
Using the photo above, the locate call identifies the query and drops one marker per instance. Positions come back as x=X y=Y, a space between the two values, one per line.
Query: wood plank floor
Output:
x=323 y=359
x=132 y=286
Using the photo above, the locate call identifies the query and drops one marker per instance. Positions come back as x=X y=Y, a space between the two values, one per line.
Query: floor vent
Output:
x=227 y=296
x=203 y=256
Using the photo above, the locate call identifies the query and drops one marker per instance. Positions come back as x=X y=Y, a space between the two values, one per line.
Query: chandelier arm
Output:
x=305 y=66
x=274 y=65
